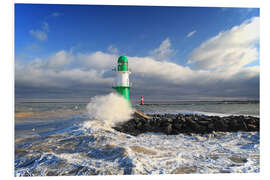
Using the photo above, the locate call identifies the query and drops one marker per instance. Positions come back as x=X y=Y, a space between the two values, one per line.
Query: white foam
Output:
x=156 y=153
x=109 y=109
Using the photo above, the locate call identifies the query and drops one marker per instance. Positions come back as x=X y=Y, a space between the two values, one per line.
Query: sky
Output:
x=175 y=53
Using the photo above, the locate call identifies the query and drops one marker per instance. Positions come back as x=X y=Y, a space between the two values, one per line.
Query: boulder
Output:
x=175 y=124
x=168 y=129
x=221 y=125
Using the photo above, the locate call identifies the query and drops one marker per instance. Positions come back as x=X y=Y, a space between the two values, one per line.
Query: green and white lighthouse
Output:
x=122 y=85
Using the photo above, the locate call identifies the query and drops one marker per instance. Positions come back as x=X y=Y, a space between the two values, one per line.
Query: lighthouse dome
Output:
x=122 y=59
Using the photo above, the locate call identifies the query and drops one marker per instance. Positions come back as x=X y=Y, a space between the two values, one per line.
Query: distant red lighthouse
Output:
x=141 y=100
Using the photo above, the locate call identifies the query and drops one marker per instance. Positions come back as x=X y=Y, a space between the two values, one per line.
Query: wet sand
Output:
x=46 y=115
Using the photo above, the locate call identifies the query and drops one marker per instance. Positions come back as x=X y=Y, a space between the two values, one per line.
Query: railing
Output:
x=115 y=84
x=114 y=69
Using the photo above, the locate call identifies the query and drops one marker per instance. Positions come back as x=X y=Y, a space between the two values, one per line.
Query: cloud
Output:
x=55 y=14
x=60 y=59
x=96 y=60
x=93 y=72
x=231 y=49
x=172 y=73
x=39 y=34
x=112 y=49
x=191 y=34
x=45 y=26
x=57 y=72
x=164 y=51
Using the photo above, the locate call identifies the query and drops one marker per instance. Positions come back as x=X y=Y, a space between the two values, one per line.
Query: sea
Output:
x=59 y=138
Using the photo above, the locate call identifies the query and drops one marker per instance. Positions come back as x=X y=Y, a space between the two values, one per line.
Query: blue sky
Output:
x=83 y=34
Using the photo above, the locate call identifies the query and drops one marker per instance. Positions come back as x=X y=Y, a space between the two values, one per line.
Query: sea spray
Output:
x=108 y=110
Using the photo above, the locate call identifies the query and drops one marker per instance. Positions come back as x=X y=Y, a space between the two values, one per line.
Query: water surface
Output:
x=60 y=139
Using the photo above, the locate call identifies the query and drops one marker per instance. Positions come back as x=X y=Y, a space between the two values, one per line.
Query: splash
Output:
x=109 y=109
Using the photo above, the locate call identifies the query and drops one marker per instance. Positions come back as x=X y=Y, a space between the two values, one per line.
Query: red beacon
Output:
x=141 y=100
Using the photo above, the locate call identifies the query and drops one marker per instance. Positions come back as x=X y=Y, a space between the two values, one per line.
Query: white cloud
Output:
x=55 y=14
x=53 y=72
x=45 y=26
x=39 y=34
x=112 y=49
x=60 y=59
x=176 y=74
x=97 y=60
x=164 y=70
x=164 y=51
x=191 y=34
x=231 y=49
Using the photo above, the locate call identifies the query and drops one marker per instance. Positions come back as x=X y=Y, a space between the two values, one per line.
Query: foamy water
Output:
x=109 y=109
x=89 y=146
x=92 y=149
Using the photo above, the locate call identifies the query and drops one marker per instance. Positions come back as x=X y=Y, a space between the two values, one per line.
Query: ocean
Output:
x=59 y=138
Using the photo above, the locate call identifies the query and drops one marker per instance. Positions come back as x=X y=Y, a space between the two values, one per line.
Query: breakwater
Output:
x=172 y=124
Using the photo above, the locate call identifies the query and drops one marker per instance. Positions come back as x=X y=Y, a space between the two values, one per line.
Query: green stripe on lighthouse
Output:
x=124 y=91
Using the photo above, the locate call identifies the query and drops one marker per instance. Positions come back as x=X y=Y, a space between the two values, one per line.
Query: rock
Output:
x=214 y=156
x=221 y=125
x=193 y=125
x=139 y=125
x=143 y=150
x=211 y=127
x=148 y=126
x=180 y=117
x=175 y=124
x=224 y=171
x=238 y=159
x=203 y=122
x=169 y=120
x=185 y=170
x=252 y=127
x=168 y=129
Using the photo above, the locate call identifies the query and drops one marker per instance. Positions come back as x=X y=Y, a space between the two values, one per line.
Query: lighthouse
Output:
x=122 y=85
x=142 y=100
